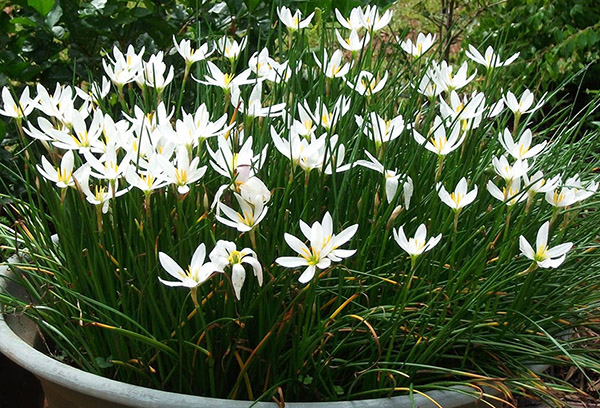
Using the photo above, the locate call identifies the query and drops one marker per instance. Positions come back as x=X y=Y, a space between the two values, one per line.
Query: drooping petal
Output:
x=238 y=276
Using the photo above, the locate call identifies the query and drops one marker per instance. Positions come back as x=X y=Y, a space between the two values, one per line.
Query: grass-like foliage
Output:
x=334 y=216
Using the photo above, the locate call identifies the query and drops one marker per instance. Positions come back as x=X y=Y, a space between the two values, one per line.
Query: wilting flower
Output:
x=365 y=83
x=332 y=68
x=521 y=150
x=197 y=272
x=417 y=245
x=543 y=255
x=13 y=109
x=323 y=248
x=440 y=143
x=293 y=22
x=421 y=45
x=226 y=254
x=524 y=104
x=353 y=42
x=460 y=197
x=392 y=178
x=491 y=59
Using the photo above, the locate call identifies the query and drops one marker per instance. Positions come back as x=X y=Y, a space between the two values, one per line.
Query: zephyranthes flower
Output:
x=421 y=45
x=323 y=248
x=196 y=273
x=460 y=197
x=226 y=253
x=417 y=245
x=293 y=22
x=491 y=59
x=543 y=255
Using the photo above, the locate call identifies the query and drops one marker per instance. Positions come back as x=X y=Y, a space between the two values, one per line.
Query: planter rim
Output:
x=48 y=369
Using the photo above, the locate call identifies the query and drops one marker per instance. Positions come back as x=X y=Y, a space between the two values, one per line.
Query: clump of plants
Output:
x=348 y=221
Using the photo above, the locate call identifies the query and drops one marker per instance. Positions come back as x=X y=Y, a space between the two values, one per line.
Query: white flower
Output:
x=62 y=176
x=561 y=198
x=230 y=49
x=226 y=254
x=193 y=128
x=353 y=42
x=380 y=130
x=82 y=137
x=440 y=143
x=417 y=245
x=491 y=59
x=225 y=81
x=538 y=184
x=12 y=109
x=523 y=149
x=291 y=148
x=366 y=84
x=372 y=21
x=249 y=217
x=293 y=22
x=183 y=174
x=123 y=69
x=321 y=115
x=421 y=45
x=318 y=156
x=581 y=192
x=323 y=247
x=468 y=111
x=153 y=73
x=101 y=195
x=254 y=106
x=227 y=163
x=543 y=255
x=524 y=104
x=108 y=166
x=354 y=22
x=508 y=172
x=428 y=87
x=442 y=76
x=149 y=180
x=392 y=179
x=511 y=194
x=332 y=68
x=196 y=273
x=190 y=55
x=460 y=197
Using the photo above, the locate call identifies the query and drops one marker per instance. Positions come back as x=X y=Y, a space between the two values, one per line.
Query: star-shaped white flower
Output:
x=196 y=273
x=543 y=255
x=417 y=245
x=324 y=247
x=460 y=197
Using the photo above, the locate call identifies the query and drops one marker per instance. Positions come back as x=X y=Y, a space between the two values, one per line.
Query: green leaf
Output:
x=42 y=6
x=104 y=362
